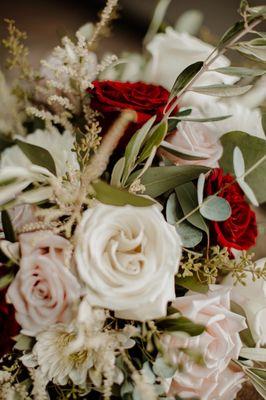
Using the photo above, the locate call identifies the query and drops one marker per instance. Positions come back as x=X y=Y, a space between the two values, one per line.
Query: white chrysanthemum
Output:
x=59 y=146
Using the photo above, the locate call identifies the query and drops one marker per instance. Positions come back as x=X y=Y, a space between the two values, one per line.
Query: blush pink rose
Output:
x=198 y=139
x=44 y=289
x=218 y=344
x=223 y=386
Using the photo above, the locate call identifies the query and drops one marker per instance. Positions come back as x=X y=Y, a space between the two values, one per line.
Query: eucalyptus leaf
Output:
x=37 y=155
x=241 y=71
x=200 y=188
x=117 y=172
x=253 y=149
x=112 y=195
x=154 y=140
x=185 y=77
x=239 y=168
x=221 y=90
x=187 y=197
x=190 y=236
x=192 y=283
x=158 y=180
x=134 y=146
x=180 y=324
x=215 y=208
x=171 y=209
x=7 y=226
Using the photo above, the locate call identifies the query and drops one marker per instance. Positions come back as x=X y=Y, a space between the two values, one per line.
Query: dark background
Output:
x=46 y=21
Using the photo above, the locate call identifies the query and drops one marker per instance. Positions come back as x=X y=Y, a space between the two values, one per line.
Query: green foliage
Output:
x=179 y=324
x=215 y=208
x=37 y=155
x=112 y=195
x=158 y=180
x=222 y=90
x=185 y=77
x=7 y=226
x=253 y=149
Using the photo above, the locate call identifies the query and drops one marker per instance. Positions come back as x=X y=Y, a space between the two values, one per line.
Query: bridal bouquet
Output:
x=127 y=193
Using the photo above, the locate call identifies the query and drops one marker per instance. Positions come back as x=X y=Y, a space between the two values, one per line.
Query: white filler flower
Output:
x=127 y=258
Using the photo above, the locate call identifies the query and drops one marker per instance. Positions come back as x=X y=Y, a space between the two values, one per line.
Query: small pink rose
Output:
x=44 y=289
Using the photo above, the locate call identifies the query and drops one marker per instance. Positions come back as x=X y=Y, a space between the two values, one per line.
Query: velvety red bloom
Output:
x=8 y=325
x=113 y=96
x=240 y=230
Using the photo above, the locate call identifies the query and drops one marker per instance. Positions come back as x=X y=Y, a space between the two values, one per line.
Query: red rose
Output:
x=240 y=230
x=8 y=325
x=112 y=96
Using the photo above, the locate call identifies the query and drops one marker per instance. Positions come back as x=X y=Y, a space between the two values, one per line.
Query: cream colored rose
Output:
x=44 y=289
x=252 y=298
x=172 y=52
x=127 y=258
x=218 y=344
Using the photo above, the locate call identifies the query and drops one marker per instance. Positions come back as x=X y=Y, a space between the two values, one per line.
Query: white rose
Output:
x=252 y=298
x=128 y=257
x=44 y=290
x=172 y=52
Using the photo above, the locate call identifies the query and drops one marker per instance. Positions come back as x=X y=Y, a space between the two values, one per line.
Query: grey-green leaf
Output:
x=182 y=324
x=188 y=199
x=158 y=180
x=134 y=146
x=241 y=71
x=154 y=140
x=185 y=77
x=192 y=283
x=222 y=90
x=253 y=149
x=190 y=236
x=188 y=155
x=7 y=226
x=112 y=195
x=37 y=155
x=215 y=208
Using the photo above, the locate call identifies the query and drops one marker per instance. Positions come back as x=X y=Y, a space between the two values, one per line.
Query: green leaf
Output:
x=192 y=283
x=253 y=149
x=117 y=172
x=190 y=236
x=182 y=324
x=255 y=354
x=171 y=209
x=134 y=146
x=215 y=208
x=7 y=226
x=6 y=280
x=207 y=119
x=185 y=77
x=231 y=32
x=5 y=143
x=241 y=71
x=158 y=180
x=222 y=90
x=188 y=199
x=37 y=155
x=188 y=155
x=154 y=140
x=245 y=335
x=157 y=19
x=112 y=195
x=252 y=51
